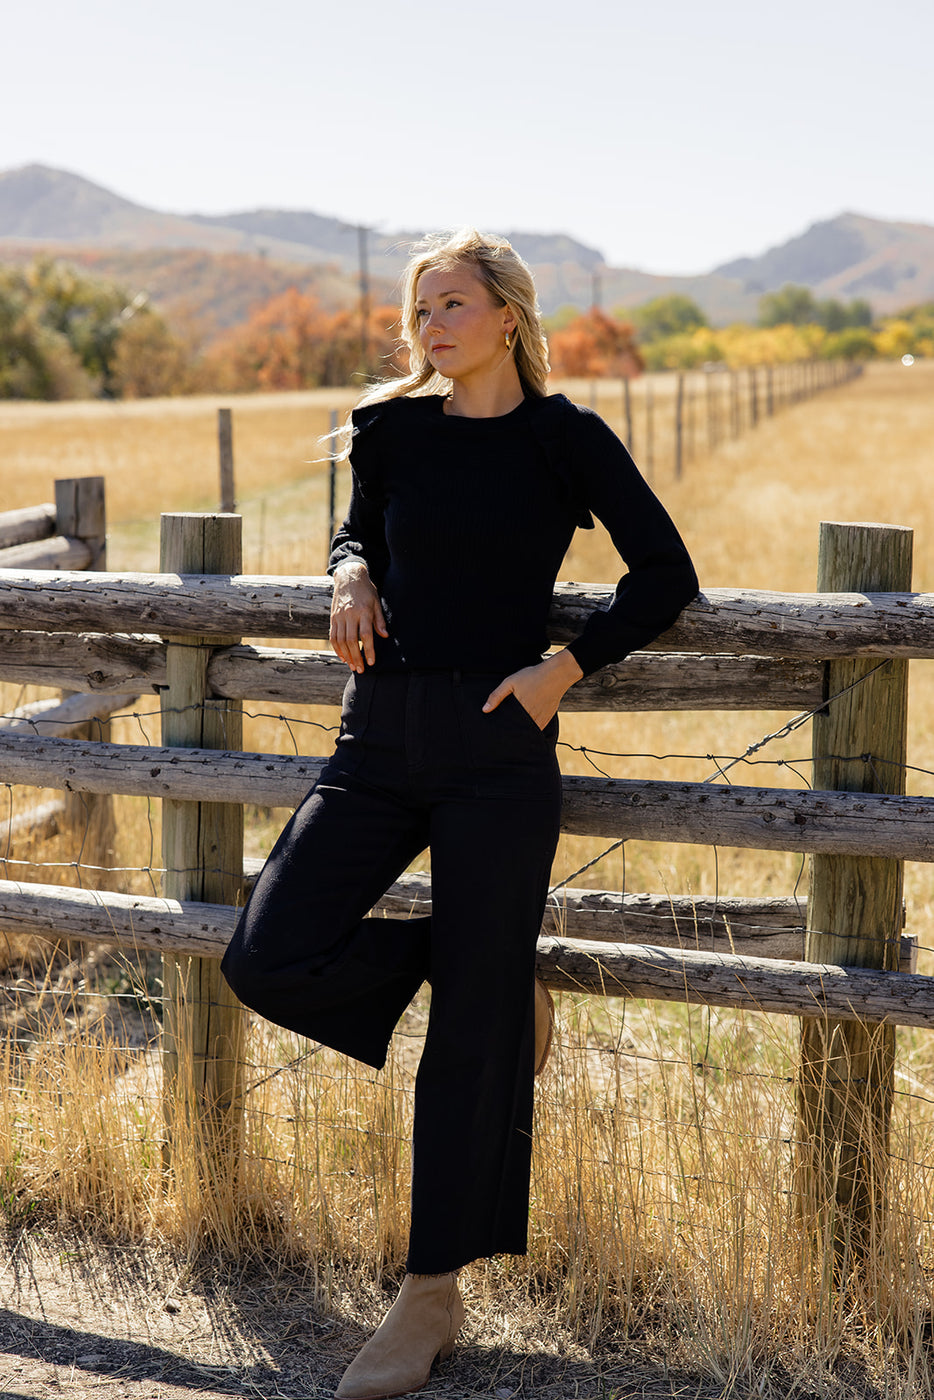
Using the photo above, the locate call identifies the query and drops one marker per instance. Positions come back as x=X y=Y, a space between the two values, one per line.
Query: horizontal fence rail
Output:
x=763 y=984
x=62 y=552
x=775 y=819
x=721 y=620
x=131 y=665
x=27 y=524
x=610 y=969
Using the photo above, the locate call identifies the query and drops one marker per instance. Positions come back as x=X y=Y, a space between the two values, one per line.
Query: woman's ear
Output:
x=509 y=320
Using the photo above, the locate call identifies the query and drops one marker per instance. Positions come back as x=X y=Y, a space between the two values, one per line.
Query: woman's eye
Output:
x=449 y=304
x=420 y=314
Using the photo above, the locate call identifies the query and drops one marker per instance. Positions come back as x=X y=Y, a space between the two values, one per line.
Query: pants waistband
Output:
x=453 y=674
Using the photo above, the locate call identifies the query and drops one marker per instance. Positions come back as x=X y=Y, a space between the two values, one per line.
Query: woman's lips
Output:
x=436 y=348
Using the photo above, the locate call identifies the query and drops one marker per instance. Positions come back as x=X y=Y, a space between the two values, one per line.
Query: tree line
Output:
x=67 y=334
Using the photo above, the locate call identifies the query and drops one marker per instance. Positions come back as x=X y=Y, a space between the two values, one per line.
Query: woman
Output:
x=468 y=482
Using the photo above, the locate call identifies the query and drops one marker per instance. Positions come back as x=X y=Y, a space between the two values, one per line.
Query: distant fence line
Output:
x=717 y=404
x=670 y=416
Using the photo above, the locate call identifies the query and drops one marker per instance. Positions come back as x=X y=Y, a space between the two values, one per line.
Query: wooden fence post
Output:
x=81 y=513
x=711 y=411
x=202 y=846
x=846 y=1081
x=225 y=454
x=690 y=404
x=649 y=431
x=734 y=404
x=627 y=414
x=679 y=426
x=332 y=484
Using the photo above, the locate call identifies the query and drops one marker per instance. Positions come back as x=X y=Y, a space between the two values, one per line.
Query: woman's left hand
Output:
x=539 y=689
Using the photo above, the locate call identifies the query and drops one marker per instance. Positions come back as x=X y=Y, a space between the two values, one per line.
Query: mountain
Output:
x=888 y=264
x=40 y=206
x=220 y=265
x=387 y=253
x=55 y=206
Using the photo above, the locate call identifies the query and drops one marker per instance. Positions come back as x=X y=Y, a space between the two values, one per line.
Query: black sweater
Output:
x=463 y=524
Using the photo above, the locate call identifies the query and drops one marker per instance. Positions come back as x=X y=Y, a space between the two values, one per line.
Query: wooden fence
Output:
x=676 y=416
x=67 y=533
x=840 y=960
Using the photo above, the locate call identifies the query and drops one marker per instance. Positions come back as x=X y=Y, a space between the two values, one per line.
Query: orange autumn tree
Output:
x=595 y=345
x=291 y=342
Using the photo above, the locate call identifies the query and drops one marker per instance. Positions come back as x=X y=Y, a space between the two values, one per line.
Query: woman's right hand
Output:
x=355 y=614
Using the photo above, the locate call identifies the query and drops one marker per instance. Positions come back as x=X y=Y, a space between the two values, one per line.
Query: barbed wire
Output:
x=88 y=1002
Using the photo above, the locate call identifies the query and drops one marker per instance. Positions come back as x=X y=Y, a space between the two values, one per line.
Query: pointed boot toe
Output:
x=418 y=1329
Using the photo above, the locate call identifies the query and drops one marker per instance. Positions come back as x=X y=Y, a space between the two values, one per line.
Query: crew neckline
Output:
x=441 y=399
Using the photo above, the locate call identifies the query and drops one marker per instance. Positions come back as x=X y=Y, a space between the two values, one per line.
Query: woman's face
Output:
x=461 y=328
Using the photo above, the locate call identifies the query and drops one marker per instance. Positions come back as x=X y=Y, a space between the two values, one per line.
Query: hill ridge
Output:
x=889 y=263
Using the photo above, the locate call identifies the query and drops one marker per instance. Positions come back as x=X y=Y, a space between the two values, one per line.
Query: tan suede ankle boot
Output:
x=544 y=1025
x=419 y=1327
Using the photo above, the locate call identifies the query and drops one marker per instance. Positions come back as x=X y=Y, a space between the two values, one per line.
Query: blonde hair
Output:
x=509 y=281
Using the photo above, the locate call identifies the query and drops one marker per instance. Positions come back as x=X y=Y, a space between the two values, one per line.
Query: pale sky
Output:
x=672 y=136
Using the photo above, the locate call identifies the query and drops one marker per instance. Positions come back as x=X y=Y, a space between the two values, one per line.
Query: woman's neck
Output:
x=490 y=398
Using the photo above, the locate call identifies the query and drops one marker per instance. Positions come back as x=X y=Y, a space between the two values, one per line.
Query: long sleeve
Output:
x=362 y=535
x=660 y=580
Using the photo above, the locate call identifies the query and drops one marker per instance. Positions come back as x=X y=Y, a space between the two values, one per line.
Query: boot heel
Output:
x=445 y=1351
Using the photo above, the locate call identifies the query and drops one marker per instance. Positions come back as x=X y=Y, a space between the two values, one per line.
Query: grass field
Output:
x=661 y=1212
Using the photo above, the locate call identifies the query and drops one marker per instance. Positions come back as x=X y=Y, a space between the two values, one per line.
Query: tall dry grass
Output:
x=664 y=1140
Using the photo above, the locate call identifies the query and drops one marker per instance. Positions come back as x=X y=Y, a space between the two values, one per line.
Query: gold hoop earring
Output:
x=507 y=340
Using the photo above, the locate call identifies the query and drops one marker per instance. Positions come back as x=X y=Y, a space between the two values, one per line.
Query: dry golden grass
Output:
x=663 y=1152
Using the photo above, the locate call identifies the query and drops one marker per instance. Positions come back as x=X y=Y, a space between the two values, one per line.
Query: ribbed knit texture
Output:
x=463 y=524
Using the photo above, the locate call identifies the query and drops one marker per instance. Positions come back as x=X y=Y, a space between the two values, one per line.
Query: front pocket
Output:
x=512 y=705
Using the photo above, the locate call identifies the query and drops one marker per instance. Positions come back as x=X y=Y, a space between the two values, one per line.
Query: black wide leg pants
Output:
x=419 y=764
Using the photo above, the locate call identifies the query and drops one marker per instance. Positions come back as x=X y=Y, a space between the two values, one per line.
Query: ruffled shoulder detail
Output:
x=365 y=419
x=553 y=419
x=364 y=462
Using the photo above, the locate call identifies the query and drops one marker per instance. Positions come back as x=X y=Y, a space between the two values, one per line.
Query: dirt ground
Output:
x=125 y=1323
x=99 y=1324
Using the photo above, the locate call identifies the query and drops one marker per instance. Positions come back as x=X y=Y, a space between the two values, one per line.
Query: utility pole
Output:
x=363 y=281
x=362 y=232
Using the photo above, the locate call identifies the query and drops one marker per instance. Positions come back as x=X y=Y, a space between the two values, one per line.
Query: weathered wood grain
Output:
x=644 y=681
x=60 y=552
x=775 y=819
x=91 y=661
x=204 y=1024
x=711 y=979
x=764 y=928
x=207 y=605
x=742 y=620
x=81 y=512
x=27 y=524
x=846 y=1083
x=722 y=620
x=135 y=922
